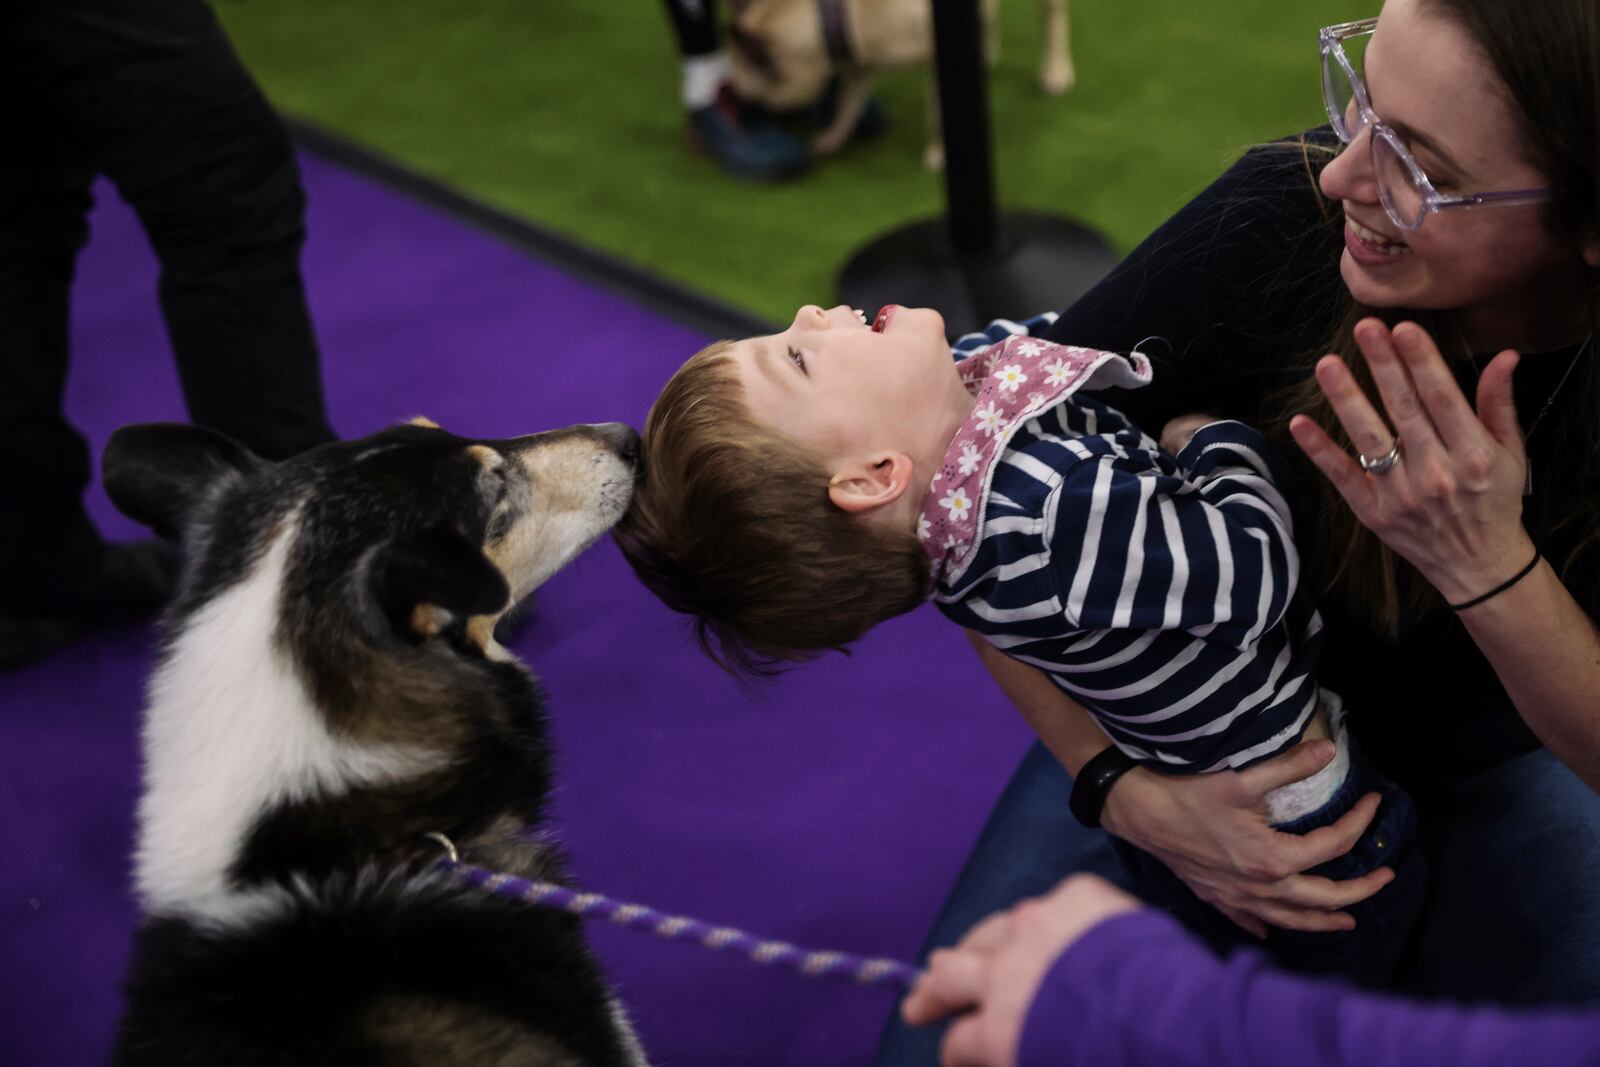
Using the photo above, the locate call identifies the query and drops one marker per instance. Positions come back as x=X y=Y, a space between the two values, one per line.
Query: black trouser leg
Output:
x=150 y=93
x=208 y=167
x=695 y=23
x=44 y=199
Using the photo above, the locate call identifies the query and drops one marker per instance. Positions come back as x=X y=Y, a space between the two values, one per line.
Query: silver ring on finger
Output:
x=1383 y=464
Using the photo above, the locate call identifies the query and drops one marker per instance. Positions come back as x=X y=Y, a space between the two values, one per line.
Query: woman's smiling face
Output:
x=1430 y=81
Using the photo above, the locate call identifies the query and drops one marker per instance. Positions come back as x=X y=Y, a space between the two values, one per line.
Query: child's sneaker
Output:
x=745 y=142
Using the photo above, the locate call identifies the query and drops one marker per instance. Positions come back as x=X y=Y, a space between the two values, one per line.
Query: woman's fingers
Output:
x=1433 y=390
x=1305 y=851
x=1497 y=402
x=1430 y=414
x=953 y=982
x=966 y=1044
x=1337 y=465
x=990 y=933
x=1243 y=919
x=1295 y=765
x=1367 y=428
x=1313 y=891
x=1311 y=920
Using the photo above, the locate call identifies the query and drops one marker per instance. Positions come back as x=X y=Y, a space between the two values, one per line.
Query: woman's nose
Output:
x=1349 y=176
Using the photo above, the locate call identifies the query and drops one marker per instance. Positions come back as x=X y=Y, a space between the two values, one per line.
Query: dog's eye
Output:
x=799 y=361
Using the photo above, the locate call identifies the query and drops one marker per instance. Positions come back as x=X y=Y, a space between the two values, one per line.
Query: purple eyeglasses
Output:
x=1407 y=194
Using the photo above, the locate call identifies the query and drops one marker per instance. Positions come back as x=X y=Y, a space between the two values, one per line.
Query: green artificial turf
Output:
x=566 y=112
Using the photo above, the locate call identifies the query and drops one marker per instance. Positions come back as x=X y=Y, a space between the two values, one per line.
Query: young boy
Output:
x=800 y=488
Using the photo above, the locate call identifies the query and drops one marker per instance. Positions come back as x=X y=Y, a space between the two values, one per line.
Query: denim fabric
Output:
x=1030 y=843
x=1512 y=908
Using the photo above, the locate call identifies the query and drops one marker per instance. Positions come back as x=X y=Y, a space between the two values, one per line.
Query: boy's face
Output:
x=843 y=389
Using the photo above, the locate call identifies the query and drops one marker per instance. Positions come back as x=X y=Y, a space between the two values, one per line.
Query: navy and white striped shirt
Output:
x=1161 y=592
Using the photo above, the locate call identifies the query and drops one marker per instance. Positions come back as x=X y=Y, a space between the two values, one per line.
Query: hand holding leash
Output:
x=995 y=971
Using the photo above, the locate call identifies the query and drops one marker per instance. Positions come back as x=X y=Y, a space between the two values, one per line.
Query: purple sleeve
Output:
x=1138 y=991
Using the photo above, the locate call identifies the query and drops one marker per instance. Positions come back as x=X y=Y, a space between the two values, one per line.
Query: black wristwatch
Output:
x=1094 y=782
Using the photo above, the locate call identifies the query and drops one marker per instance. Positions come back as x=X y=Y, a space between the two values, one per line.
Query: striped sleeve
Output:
x=1208 y=551
x=998 y=331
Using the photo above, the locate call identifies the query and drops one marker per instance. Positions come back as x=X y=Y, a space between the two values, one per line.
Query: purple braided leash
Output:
x=860 y=969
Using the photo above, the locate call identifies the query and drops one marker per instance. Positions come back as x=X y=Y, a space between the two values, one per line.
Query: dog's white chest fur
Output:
x=231 y=732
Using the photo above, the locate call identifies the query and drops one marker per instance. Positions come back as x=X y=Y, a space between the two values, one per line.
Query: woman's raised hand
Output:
x=1452 y=504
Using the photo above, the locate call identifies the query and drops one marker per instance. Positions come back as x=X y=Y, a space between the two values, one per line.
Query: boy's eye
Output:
x=798 y=360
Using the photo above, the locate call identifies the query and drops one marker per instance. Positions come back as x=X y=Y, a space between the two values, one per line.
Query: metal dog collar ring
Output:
x=1384 y=463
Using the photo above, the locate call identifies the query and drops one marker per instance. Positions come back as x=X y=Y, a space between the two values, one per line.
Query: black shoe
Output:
x=24 y=640
x=124 y=583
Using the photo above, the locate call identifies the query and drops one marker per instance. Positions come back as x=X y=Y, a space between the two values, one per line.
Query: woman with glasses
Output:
x=1407 y=299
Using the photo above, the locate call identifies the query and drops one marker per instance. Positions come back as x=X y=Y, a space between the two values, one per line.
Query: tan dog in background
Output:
x=786 y=51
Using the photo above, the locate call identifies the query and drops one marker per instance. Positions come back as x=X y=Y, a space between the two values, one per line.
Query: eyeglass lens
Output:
x=1397 y=185
x=1336 y=87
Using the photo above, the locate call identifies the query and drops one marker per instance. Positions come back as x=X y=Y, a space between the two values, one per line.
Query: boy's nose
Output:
x=810 y=316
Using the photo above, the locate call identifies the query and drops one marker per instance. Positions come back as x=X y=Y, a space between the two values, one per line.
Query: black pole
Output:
x=976 y=264
x=964 y=114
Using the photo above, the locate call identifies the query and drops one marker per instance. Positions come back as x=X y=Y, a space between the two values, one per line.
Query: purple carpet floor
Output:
x=831 y=808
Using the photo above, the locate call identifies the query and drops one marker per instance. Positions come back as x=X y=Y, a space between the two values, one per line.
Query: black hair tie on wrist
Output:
x=1094 y=781
x=1501 y=588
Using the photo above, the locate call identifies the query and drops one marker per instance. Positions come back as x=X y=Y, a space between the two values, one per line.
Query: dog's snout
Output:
x=622 y=438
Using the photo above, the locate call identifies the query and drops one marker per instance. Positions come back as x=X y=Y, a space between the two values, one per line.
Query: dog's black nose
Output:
x=622 y=438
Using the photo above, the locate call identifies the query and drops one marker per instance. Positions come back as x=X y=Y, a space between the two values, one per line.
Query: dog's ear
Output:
x=155 y=472
x=422 y=580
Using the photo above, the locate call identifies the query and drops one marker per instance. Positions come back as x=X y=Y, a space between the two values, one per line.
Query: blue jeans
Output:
x=1511 y=915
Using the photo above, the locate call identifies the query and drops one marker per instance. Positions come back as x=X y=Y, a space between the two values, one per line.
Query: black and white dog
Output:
x=330 y=691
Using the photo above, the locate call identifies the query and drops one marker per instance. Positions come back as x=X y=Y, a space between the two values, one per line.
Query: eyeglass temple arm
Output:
x=1505 y=196
x=1346 y=29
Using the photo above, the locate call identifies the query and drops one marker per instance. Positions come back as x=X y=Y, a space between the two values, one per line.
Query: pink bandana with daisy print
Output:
x=1012 y=382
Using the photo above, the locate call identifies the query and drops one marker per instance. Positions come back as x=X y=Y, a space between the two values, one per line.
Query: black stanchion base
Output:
x=1042 y=263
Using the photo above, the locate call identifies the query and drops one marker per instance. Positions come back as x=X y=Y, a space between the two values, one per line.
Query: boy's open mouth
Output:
x=885 y=313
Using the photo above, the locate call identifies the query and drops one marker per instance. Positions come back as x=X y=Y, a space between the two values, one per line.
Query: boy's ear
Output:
x=869 y=483
x=155 y=472
x=422 y=580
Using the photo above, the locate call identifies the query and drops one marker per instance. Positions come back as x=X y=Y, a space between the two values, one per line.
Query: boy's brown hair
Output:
x=731 y=523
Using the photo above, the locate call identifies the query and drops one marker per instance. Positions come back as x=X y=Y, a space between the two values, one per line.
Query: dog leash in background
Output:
x=835 y=32
x=860 y=969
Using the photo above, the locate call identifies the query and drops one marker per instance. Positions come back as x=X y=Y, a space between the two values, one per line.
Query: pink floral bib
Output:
x=1012 y=382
